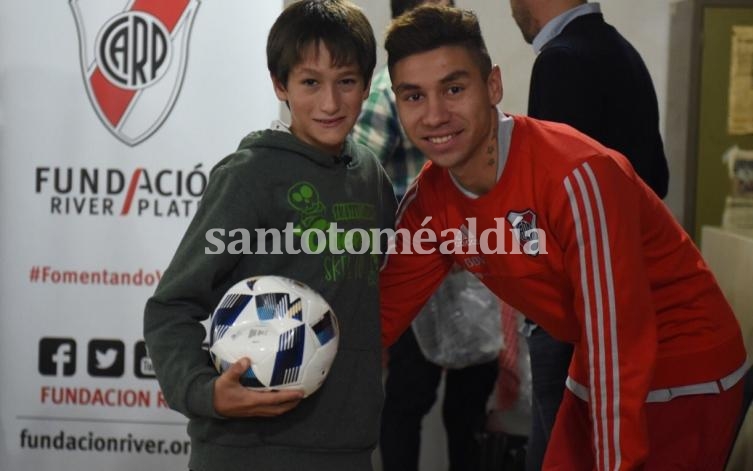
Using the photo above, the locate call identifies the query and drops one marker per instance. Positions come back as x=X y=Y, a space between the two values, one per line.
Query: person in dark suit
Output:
x=587 y=75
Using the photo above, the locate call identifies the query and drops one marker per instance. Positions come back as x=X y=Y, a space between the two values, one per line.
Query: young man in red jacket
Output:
x=561 y=228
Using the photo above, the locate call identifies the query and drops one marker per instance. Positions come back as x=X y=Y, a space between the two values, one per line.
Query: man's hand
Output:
x=232 y=399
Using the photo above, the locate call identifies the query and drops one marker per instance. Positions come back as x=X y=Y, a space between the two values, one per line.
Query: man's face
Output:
x=446 y=105
x=521 y=12
x=324 y=100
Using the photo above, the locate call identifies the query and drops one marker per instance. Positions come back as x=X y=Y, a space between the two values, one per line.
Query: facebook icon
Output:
x=57 y=356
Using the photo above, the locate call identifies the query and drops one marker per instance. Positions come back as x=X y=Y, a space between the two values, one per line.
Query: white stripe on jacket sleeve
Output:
x=593 y=242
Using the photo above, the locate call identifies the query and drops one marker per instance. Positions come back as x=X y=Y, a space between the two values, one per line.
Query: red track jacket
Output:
x=592 y=256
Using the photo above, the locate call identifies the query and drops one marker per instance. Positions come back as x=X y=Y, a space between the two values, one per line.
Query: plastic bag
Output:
x=460 y=325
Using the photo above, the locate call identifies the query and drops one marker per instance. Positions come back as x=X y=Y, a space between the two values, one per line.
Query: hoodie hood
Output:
x=286 y=141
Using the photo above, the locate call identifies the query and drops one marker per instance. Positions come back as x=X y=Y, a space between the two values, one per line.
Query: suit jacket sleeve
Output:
x=567 y=88
x=562 y=91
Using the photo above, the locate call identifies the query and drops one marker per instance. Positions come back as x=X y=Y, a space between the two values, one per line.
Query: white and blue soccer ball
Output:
x=287 y=330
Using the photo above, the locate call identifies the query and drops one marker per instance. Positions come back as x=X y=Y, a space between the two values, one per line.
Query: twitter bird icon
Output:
x=106 y=358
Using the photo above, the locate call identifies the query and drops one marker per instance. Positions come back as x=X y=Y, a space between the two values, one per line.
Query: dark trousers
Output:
x=410 y=393
x=550 y=360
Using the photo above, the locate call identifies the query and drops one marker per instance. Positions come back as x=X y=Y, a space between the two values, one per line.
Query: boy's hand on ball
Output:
x=232 y=399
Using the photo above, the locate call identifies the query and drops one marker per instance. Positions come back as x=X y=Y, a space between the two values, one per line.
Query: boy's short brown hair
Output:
x=339 y=24
x=429 y=27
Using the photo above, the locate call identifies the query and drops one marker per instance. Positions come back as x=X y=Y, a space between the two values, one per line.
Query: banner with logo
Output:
x=112 y=113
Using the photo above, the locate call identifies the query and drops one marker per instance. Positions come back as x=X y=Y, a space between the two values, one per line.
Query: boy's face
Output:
x=324 y=100
x=446 y=106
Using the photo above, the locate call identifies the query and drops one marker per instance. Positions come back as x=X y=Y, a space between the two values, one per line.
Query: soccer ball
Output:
x=287 y=330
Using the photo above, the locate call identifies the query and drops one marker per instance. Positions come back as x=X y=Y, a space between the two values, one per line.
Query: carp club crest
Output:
x=525 y=229
x=133 y=58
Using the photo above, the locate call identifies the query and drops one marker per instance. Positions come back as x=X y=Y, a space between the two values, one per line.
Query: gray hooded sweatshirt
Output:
x=272 y=180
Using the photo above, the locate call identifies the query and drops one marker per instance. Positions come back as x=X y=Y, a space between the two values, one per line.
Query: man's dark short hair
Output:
x=429 y=27
x=339 y=24
x=399 y=7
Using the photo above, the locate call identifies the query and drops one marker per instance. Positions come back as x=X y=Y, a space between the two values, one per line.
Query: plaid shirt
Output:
x=378 y=128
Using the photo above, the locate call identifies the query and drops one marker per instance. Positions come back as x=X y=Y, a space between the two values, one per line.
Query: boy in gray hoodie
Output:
x=320 y=54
